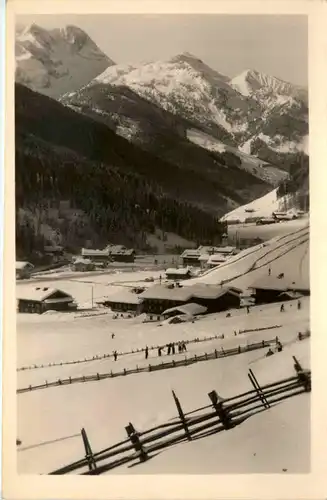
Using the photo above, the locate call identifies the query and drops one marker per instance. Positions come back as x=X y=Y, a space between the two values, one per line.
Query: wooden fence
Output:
x=133 y=351
x=221 y=414
x=151 y=368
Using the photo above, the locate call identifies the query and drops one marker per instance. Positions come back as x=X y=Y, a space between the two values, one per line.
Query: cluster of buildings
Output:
x=207 y=257
x=92 y=258
x=161 y=300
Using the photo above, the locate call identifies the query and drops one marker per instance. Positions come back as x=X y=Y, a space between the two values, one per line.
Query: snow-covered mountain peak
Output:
x=57 y=61
x=252 y=81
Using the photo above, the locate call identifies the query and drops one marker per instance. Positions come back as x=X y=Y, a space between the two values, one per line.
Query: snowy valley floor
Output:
x=50 y=420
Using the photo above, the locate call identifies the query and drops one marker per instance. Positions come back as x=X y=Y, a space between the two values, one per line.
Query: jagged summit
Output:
x=57 y=61
x=250 y=81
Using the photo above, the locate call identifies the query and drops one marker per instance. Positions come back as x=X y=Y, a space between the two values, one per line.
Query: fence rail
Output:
x=222 y=414
x=151 y=368
x=135 y=351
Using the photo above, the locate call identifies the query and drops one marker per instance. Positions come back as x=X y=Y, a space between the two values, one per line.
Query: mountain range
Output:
x=190 y=133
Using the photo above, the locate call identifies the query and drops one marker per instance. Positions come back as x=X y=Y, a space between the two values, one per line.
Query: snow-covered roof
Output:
x=181 y=271
x=20 y=265
x=224 y=250
x=125 y=297
x=41 y=294
x=162 y=292
x=191 y=309
x=217 y=258
x=191 y=253
x=198 y=290
x=119 y=250
x=274 y=283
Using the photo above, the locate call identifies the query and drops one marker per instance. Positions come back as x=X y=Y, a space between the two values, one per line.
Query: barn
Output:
x=41 y=299
x=23 y=269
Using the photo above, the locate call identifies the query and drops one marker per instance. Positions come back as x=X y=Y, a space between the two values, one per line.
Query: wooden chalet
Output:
x=41 y=299
x=182 y=273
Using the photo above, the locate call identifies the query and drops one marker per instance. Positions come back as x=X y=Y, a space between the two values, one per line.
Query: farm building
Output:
x=41 y=299
x=159 y=298
x=82 y=265
x=183 y=273
x=272 y=289
x=96 y=255
x=23 y=269
x=124 y=301
x=190 y=309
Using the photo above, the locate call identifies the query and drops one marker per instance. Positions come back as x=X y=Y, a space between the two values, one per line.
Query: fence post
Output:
x=216 y=353
x=182 y=416
x=149 y=368
x=135 y=439
x=206 y=356
x=98 y=376
x=222 y=413
x=303 y=375
x=70 y=380
x=258 y=389
x=88 y=451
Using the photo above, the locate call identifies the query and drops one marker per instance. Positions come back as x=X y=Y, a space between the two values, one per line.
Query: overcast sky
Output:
x=276 y=45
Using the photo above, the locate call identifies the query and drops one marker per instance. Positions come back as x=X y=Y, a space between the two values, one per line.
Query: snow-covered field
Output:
x=50 y=420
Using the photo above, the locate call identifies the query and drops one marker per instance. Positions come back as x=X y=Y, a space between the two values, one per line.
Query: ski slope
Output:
x=288 y=254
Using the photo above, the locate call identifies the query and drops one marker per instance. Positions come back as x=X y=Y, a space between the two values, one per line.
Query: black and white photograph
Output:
x=162 y=222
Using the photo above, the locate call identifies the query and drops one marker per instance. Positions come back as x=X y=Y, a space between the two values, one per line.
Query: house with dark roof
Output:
x=41 y=299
